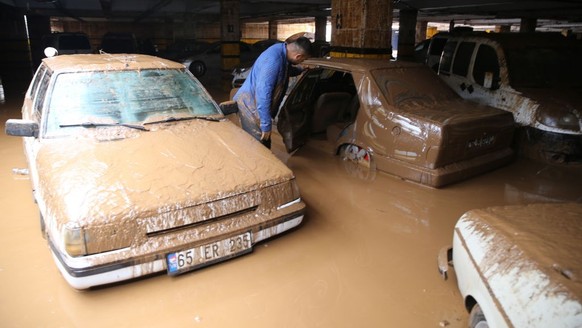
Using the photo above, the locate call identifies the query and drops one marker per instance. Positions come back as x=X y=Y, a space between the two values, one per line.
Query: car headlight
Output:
x=568 y=121
x=95 y=239
x=74 y=240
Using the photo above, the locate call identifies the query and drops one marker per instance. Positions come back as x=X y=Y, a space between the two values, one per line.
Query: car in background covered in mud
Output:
x=519 y=265
x=136 y=170
x=397 y=117
x=210 y=58
x=534 y=76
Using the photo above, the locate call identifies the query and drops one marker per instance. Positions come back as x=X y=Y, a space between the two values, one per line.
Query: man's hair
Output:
x=302 y=45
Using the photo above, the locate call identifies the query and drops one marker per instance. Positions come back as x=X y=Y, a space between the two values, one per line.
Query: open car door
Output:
x=296 y=111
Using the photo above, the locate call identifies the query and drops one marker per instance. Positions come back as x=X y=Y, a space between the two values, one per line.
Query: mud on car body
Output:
x=399 y=118
x=519 y=265
x=135 y=170
x=535 y=76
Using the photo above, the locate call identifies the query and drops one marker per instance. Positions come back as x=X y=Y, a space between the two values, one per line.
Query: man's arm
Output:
x=265 y=85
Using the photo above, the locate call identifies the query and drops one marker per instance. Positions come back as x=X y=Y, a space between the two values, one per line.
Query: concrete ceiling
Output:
x=567 y=12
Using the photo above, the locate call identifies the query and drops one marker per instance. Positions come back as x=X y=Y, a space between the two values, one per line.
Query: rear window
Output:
x=124 y=97
x=419 y=84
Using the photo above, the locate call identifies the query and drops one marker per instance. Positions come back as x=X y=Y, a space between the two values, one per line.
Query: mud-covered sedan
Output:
x=396 y=117
x=519 y=265
x=136 y=170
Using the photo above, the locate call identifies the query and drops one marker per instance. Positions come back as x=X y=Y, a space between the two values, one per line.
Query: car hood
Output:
x=177 y=165
x=555 y=102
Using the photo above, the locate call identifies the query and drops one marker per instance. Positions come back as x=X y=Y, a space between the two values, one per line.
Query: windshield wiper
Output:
x=183 y=118
x=96 y=124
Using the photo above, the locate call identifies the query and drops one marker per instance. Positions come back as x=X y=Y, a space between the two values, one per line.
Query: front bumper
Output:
x=81 y=274
x=548 y=146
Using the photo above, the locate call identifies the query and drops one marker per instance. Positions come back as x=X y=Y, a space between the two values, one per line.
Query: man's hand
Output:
x=265 y=136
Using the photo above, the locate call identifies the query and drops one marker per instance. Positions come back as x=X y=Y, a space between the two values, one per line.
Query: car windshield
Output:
x=124 y=98
x=535 y=67
x=416 y=84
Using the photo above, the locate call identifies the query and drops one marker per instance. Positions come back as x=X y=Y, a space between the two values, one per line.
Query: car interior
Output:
x=334 y=102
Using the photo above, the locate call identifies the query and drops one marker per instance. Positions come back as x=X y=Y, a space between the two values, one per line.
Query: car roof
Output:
x=518 y=40
x=360 y=64
x=107 y=62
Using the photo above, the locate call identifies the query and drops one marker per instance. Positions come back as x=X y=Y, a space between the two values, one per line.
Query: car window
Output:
x=302 y=92
x=436 y=46
x=418 y=84
x=39 y=96
x=486 y=62
x=463 y=58
x=447 y=56
x=36 y=80
x=123 y=97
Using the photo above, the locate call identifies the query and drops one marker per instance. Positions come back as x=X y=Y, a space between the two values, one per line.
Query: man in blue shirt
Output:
x=259 y=97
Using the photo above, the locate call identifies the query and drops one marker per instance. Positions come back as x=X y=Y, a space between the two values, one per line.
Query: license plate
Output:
x=200 y=256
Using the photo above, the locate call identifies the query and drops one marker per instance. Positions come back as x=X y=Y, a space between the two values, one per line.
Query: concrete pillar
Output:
x=421 y=30
x=361 y=28
x=407 y=34
x=273 y=29
x=230 y=33
x=320 y=28
x=528 y=25
x=503 y=28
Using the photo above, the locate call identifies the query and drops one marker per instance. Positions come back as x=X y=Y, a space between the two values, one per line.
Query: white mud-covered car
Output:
x=535 y=76
x=519 y=266
x=136 y=170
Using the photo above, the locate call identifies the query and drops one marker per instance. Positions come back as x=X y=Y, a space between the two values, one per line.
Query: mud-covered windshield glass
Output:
x=124 y=98
x=545 y=67
x=415 y=84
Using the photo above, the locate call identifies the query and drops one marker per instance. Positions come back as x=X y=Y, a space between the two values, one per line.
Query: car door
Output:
x=295 y=113
x=473 y=71
x=33 y=110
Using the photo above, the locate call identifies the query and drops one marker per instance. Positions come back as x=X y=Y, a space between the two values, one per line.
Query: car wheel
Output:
x=477 y=318
x=357 y=162
x=197 y=68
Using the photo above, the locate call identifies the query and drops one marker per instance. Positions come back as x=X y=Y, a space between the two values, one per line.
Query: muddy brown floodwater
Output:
x=365 y=255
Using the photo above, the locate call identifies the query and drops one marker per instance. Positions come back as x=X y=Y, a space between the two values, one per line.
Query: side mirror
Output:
x=21 y=128
x=228 y=107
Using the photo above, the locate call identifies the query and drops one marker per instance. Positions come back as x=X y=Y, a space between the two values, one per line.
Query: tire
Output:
x=477 y=318
x=357 y=162
x=197 y=68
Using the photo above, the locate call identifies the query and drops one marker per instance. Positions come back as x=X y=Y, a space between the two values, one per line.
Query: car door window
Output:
x=39 y=97
x=302 y=92
x=486 y=67
x=447 y=56
x=36 y=81
x=463 y=58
